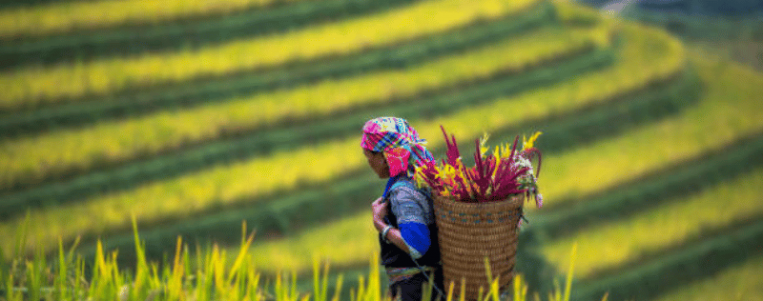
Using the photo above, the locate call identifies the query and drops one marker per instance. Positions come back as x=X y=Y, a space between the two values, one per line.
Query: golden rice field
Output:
x=62 y=17
x=29 y=159
x=71 y=80
x=226 y=184
x=661 y=227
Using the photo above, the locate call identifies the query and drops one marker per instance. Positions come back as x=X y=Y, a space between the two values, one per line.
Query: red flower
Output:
x=494 y=177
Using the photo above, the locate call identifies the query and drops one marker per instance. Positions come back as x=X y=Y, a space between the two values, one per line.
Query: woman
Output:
x=404 y=215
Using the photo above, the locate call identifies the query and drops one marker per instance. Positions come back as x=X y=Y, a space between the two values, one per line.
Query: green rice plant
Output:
x=386 y=29
x=222 y=185
x=30 y=159
x=741 y=282
x=616 y=242
x=204 y=274
x=67 y=16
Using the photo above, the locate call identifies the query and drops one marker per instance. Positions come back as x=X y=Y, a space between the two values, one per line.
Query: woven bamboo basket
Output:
x=470 y=232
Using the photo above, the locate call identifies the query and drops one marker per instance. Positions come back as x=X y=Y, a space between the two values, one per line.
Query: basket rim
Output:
x=452 y=205
x=452 y=200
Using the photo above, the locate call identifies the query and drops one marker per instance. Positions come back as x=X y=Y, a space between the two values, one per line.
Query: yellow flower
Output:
x=529 y=143
x=505 y=151
x=483 y=141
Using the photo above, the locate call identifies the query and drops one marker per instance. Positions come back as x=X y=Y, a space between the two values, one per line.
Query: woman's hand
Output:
x=380 y=209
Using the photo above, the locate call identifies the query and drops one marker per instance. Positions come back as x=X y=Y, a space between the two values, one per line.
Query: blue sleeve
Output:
x=414 y=215
x=416 y=237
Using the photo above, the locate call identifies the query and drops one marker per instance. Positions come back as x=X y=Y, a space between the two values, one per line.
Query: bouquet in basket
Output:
x=478 y=210
x=495 y=176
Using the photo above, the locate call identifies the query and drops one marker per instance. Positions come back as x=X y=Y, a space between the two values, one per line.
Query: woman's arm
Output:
x=413 y=235
x=393 y=235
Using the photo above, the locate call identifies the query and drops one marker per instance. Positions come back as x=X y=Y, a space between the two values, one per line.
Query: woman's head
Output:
x=392 y=146
x=377 y=162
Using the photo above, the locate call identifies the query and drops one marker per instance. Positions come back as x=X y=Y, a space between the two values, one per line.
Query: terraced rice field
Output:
x=650 y=148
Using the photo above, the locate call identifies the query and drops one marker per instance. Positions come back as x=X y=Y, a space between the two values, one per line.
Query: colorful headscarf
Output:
x=399 y=142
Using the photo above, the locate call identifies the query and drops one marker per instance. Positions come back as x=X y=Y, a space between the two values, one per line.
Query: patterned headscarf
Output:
x=399 y=142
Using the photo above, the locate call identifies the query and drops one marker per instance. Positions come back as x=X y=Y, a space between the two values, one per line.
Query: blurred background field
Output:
x=193 y=116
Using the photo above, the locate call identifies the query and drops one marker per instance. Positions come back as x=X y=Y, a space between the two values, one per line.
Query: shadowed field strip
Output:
x=55 y=18
x=30 y=160
x=624 y=240
x=229 y=184
x=741 y=283
x=26 y=87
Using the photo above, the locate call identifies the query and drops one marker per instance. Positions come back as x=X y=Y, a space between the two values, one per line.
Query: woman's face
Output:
x=378 y=163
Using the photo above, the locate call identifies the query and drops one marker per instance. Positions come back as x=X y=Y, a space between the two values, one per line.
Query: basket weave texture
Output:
x=470 y=232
